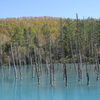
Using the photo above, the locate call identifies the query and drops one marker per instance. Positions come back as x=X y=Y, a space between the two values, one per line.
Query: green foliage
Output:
x=36 y=32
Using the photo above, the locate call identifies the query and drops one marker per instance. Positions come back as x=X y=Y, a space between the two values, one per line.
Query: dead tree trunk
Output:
x=87 y=78
x=40 y=61
x=78 y=51
x=37 y=65
x=9 y=62
x=19 y=60
x=15 y=70
x=63 y=54
x=24 y=58
x=95 y=49
x=72 y=53
x=32 y=67
x=85 y=56
x=51 y=70
x=1 y=57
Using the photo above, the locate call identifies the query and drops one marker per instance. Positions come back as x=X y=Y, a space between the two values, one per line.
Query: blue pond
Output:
x=28 y=88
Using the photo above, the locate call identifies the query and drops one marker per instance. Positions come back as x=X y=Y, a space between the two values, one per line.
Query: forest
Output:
x=27 y=40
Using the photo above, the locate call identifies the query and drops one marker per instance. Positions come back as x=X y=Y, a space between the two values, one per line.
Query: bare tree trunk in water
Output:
x=85 y=56
x=51 y=65
x=63 y=54
x=79 y=58
x=47 y=67
x=40 y=61
x=1 y=57
x=36 y=65
x=19 y=60
x=95 y=51
x=9 y=62
x=16 y=54
x=72 y=53
x=32 y=67
x=15 y=70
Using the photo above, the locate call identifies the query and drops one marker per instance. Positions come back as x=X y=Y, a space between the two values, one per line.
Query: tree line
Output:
x=28 y=40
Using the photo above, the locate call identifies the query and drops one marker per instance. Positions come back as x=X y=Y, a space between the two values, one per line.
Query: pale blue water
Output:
x=28 y=88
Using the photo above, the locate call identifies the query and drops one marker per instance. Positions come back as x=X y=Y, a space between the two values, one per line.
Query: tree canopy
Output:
x=37 y=32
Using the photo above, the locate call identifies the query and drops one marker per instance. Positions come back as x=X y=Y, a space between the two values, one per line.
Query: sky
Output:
x=52 y=8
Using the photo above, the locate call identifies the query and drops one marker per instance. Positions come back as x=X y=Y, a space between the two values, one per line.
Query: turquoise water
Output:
x=28 y=88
